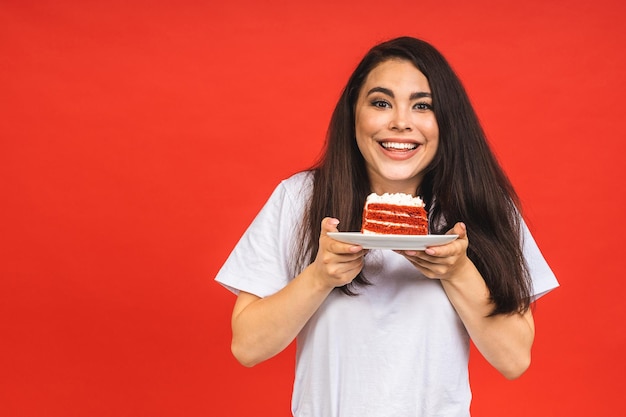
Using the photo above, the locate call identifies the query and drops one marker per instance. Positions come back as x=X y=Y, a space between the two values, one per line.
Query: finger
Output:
x=419 y=255
x=346 y=249
x=425 y=267
x=449 y=249
x=344 y=267
x=349 y=265
x=334 y=251
x=458 y=229
x=329 y=224
x=424 y=261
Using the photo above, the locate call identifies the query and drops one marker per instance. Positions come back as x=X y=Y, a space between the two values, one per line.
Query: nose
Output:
x=401 y=121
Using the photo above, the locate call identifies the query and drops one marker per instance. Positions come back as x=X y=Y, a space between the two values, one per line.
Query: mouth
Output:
x=399 y=146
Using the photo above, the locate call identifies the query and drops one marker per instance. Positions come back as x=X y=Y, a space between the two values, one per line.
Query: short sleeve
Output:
x=261 y=261
x=543 y=279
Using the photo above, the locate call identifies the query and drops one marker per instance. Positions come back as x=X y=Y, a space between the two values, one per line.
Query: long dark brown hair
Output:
x=464 y=182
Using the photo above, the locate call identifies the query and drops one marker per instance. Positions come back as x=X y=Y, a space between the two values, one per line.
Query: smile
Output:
x=399 y=146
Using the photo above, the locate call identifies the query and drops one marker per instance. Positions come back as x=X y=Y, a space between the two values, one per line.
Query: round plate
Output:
x=397 y=242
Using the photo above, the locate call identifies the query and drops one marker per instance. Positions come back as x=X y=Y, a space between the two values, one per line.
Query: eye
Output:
x=382 y=104
x=423 y=106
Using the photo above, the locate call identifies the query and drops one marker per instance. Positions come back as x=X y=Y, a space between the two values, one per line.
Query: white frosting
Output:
x=395 y=198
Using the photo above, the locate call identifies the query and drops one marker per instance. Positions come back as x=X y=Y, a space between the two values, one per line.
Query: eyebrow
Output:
x=388 y=92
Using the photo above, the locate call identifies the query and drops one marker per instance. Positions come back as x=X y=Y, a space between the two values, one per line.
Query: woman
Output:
x=386 y=333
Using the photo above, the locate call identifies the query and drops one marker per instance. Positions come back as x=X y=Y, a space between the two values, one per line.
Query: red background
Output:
x=139 y=139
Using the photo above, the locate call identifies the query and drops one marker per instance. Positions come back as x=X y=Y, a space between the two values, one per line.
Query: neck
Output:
x=406 y=187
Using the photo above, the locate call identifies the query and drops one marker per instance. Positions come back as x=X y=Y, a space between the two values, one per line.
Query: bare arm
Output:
x=263 y=327
x=504 y=340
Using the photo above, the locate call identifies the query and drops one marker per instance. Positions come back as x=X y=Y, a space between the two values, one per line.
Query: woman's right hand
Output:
x=337 y=263
x=262 y=327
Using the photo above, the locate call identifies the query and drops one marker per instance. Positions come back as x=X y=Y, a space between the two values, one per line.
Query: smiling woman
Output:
x=398 y=319
x=396 y=129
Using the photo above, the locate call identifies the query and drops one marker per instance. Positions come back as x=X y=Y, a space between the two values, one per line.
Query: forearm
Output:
x=263 y=327
x=504 y=340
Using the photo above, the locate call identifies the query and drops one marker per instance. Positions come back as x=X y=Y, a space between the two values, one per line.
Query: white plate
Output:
x=398 y=242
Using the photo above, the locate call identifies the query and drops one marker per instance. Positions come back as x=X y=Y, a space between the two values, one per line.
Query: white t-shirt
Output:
x=396 y=349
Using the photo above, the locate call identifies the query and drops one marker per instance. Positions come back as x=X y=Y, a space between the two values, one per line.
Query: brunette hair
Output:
x=464 y=182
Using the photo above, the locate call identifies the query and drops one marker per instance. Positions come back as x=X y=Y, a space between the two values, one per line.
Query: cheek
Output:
x=362 y=132
x=359 y=123
x=435 y=147
x=361 y=143
x=367 y=125
x=431 y=131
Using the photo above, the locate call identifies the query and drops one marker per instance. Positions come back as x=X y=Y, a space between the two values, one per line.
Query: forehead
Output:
x=396 y=74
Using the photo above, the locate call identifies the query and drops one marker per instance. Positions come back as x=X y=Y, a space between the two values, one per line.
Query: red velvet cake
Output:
x=394 y=214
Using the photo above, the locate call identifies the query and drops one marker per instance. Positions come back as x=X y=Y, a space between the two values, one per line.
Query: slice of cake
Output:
x=394 y=214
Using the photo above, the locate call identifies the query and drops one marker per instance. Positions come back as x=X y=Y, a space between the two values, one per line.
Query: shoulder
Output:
x=291 y=196
x=542 y=276
x=298 y=181
x=298 y=187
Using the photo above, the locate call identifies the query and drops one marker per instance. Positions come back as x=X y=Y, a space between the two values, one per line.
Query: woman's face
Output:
x=395 y=125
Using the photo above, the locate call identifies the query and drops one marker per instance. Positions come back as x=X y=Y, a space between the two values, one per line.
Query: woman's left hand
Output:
x=505 y=340
x=442 y=262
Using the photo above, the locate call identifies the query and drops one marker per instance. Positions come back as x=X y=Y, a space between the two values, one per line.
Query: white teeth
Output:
x=400 y=146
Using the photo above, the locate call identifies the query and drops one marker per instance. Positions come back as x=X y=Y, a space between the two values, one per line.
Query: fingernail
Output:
x=430 y=251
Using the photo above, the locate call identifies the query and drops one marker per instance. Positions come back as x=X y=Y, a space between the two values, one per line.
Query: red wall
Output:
x=138 y=140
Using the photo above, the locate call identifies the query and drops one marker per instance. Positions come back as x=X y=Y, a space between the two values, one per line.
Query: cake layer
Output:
x=393 y=229
x=395 y=208
x=398 y=214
